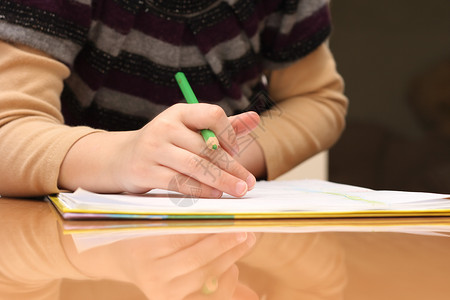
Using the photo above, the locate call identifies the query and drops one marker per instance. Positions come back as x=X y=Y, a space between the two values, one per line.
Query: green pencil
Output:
x=210 y=138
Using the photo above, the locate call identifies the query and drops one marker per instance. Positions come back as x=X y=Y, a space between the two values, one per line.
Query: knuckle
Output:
x=172 y=294
x=177 y=242
x=155 y=278
x=193 y=163
x=230 y=165
x=166 y=125
x=223 y=180
x=234 y=271
x=217 y=112
x=227 y=242
x=177 y=107
x=136 y=170
x=202 y=273
x=136 y=173
x=239 y=171
x=193 y=262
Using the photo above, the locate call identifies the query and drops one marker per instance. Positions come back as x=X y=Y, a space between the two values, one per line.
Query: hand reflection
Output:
x=35 y=256
x=296 y=266
x=185 y=266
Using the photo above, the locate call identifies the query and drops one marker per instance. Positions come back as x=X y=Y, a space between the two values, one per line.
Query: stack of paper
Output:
x=269 y=199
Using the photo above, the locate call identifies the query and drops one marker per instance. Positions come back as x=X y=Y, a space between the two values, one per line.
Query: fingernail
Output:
x=251 y=181
x=241 y=188
x=236 y=150
x=251 y=239
x=216 y=193
x=241 y=237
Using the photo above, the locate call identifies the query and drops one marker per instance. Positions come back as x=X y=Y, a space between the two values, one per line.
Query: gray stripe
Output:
x=305 y=9
x=231 y=2
x=255 y=40
x=163 y=53
x=228 y=50
x=81 y=90
x=166 y=54
x=230 y=105
x=140 y=107
x=61 y=49
x=271 y=65
x=106 y=38
x=188 y=56
x=127 y=104
x=87 y=2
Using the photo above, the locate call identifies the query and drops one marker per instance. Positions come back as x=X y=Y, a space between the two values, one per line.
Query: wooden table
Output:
x=43 y=257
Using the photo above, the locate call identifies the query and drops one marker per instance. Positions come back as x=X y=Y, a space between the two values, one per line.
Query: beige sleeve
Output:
x=309 y=114
x=33 y=139
x=33 y=256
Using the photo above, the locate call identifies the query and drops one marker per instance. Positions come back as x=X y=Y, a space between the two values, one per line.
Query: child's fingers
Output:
x=190 y=186
x=170 y=180
x=194 y=143
x=204 y=171
x=244 y=123
x=209 y=258
x=207 y=116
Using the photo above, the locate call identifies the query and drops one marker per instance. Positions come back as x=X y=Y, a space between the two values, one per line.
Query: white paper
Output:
x=266 y=197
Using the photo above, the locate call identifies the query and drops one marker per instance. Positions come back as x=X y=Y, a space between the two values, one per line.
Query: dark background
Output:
x=395 y=59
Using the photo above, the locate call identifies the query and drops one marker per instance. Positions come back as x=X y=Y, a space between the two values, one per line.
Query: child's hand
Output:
x=186 y=266
x=170 y=153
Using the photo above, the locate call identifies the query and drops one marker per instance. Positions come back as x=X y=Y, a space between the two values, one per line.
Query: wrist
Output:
x=91 y=163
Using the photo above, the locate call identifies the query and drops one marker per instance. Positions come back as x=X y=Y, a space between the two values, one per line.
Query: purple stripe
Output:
x=171 y=32
x=220 y=32
x=179 y=34
x=215 y=92
x=75 y=12
x=210 y=93
x=92 y=77
x=301 y=31
x=168 y=95
x=165 y=95
x=250 y=25
x=114 y=16
x=243 y=76
x=144 y=88
x=231 y=27
x=268 y=7
x=248 y=74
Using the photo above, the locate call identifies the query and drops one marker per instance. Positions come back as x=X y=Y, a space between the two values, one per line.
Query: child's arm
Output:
x=40 y=155
x=309 y=116
x=33 y=140
x=167 y=153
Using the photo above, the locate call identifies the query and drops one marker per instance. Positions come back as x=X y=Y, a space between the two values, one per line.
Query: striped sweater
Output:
x=123 y=54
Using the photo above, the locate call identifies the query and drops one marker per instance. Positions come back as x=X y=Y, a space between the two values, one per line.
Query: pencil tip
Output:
x=214 y=146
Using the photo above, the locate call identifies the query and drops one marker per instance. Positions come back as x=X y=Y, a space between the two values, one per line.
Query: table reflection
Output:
x=40 y=259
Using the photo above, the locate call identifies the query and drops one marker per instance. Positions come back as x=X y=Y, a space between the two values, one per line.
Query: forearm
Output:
x=32 y=151
x=32 y=253
x=90 y=163
x=309 y=115
x=301 y=265
x=34 y=140
x=36 y=145
x=252 y=157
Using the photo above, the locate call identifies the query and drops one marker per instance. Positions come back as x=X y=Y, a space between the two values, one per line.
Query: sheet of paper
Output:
x=266 y=197
x=87 y=240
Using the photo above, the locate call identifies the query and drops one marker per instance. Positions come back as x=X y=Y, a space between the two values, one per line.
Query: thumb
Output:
x=243 y=292
x=244 y=123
